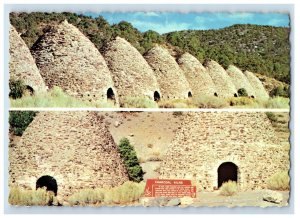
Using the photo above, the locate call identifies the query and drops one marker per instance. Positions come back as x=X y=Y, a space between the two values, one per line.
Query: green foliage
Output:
x=277 y=102
x=16 y=88
x=260 y=49
x=19 y=120
x=131 y=161
x=272 y=117
x=242 y=92
x=282 y=91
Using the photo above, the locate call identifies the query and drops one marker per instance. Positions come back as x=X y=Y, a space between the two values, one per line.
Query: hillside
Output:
x=261 y=49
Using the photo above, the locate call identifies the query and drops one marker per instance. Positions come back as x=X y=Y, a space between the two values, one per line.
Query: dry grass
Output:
x=229 y=188
x=87 y=196
x=56 y=98
x=126 y=193
x=39 y=197
x=137 y=102
x=279 y=181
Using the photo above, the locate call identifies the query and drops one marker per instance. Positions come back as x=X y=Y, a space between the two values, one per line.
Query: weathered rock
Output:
x=260 y=91
x=273 y=196
x=68 y=59
x=222 y=81
x=75 y=148
x=186 y=201
x=117 y=123
x=173 y=202
x=197 y=76
x=22 y=65
x=132 y=75
x=171 y=79
x=246 y=141
x=240 y=80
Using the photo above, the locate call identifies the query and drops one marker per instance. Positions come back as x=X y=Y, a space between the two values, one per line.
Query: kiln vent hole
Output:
x=47 y=181
x=190 y=94
x=227 y=171
x=156 y=96
x=235 y=95
x=29 y=91
x=216 y=94
x=110 y=95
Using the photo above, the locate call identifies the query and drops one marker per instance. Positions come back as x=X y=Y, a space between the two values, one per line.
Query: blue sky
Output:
x=163 y=22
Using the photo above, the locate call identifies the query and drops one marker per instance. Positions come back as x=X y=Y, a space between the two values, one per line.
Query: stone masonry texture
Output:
x=171 y=79
x=240 y=80
x=68 y=59
x=208 y=139
x=21 y=63
x=75 y=148
x=222 y=81
x=260 y=91
x=132 y=75
x=197 y=76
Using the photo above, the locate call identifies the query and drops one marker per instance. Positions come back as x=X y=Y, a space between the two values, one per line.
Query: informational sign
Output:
x=173 y=188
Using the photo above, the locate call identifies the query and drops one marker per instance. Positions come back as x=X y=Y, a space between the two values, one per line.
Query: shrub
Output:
x=277 y=102
x=19 y=120
x=128 y=192
x=17 y=88
x=228 y=188
x=279 y=181
x=175 y=103
x=210 y=102
x=282 y=91
x=125 y=193
x=137 y=102
x=272 y=117
x=242 y=92
x=242 y=101
x=87 y=196
x=131 y=161
x=39 y=197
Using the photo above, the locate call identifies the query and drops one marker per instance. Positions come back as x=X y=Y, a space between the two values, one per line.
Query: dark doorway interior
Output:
x=47 y=181
x=235 y=95
x=216 y=94
x=227 y=171
x=190 y=94
x=29 y=90
x=156 y=96
x=110 y=94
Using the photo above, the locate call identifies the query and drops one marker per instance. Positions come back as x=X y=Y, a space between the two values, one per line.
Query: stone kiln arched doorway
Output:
x=156 y=96
x=110 y=94
x=47 y=181
x=227 y=171
x=190 y=94
x=29 y=91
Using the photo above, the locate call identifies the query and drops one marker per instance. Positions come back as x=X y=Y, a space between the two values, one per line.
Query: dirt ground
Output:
x=247 y=198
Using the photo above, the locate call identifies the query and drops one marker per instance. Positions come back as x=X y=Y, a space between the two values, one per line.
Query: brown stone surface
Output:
x=221 y=79
x=21 y=63
x=240 y=80
x=170 y=77
x=260 y=91
x=75 y=148
x=197 y=76
x=208 y=139
x=68 y=59
x=131 y=73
